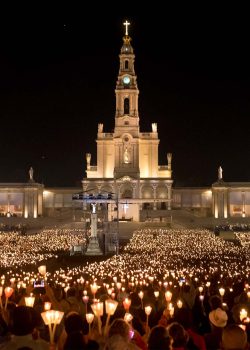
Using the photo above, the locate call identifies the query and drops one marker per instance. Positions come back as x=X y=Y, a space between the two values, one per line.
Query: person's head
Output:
x=74 y=341
x=184 y=317
x=71 y=292
x=73 y=323
x=215 y=302
x=159 y=339
x=119 y=327
x=178 y=334
x=233 y=338
x=138 y=325
x=218 y=318
x=23 y=322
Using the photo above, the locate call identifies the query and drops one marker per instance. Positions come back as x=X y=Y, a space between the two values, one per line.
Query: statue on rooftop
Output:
x=31 y=174
x=220 y=177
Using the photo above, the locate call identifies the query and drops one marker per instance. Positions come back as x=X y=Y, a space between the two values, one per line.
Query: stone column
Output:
x=225 y=211
x=169 y=196
x=84 y=203
x=215 y=201
x=154 y=189
x=35 y=200
x=93 y=247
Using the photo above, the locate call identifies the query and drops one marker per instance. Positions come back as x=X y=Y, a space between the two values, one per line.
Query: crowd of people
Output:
x=233 y=227
x=168 y=289
x=18 y=250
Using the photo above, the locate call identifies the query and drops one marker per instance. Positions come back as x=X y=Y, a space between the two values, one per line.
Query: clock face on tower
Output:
x=126 y=80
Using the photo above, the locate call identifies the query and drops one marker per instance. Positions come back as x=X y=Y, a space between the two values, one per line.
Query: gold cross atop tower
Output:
x=126 y=24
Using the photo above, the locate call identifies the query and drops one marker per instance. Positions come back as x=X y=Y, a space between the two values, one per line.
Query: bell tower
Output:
x=127 y=116
x=126 y=132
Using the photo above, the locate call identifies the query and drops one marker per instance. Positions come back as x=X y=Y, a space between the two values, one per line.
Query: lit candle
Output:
x=156 y=293
x=148 y=310
x=141 y=294
x=47 y=305
x=52 y=318
x=90 y=318
x=126 y=304
x=243 y=314
x=29 y=301
x=94 y=288
x=8 y=292
x=168 y=296
x=110 y=306
x=98 y=312
x=42 y=270
x=179 y=304
x=128 y=317
x=222 y=291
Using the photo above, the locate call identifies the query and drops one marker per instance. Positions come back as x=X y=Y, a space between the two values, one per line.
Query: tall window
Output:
x=126 y=106
x=126 y=64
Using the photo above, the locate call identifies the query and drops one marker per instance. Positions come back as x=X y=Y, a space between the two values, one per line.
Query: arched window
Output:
x=126 y=64
x=126 y=105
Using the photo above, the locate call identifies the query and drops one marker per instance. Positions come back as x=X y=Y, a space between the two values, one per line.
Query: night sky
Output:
x=58 y=75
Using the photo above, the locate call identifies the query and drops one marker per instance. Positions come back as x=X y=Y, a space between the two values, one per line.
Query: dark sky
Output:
x=58 y=74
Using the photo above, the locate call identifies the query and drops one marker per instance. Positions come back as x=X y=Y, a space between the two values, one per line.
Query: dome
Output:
x=126 y=47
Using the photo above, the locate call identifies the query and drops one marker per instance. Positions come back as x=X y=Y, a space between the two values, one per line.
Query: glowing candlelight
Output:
x=200 y=289
x=97 y=308
x=222 y=291
x=156 y=294
x=243 y=314
x=179 y=304
x=126 y=304
x=141 y=295
x=8 y=292
x=171 y=309
x=168 y=296
x=42 y=270
x=47 y=305
x=110 y=306
x=128 y=317
x=52 y=318
x=148 y=310
x=29 y=301
x=94 y=288
x=90 y=318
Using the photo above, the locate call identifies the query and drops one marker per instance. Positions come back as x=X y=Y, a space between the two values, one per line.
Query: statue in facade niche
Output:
x=126 y=156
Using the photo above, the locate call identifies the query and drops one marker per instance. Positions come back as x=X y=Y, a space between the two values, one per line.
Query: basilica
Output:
x=127 y=159
x=127 y=170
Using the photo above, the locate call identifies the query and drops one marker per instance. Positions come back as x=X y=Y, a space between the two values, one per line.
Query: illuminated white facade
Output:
x=127 y=159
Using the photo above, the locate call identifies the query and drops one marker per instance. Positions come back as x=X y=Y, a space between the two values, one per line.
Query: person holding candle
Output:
x=120 y=336
x=23 y=325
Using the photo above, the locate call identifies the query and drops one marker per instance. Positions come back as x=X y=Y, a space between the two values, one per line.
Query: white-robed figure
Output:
x=220 y=177
x=31 y=174
x=126 y=156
